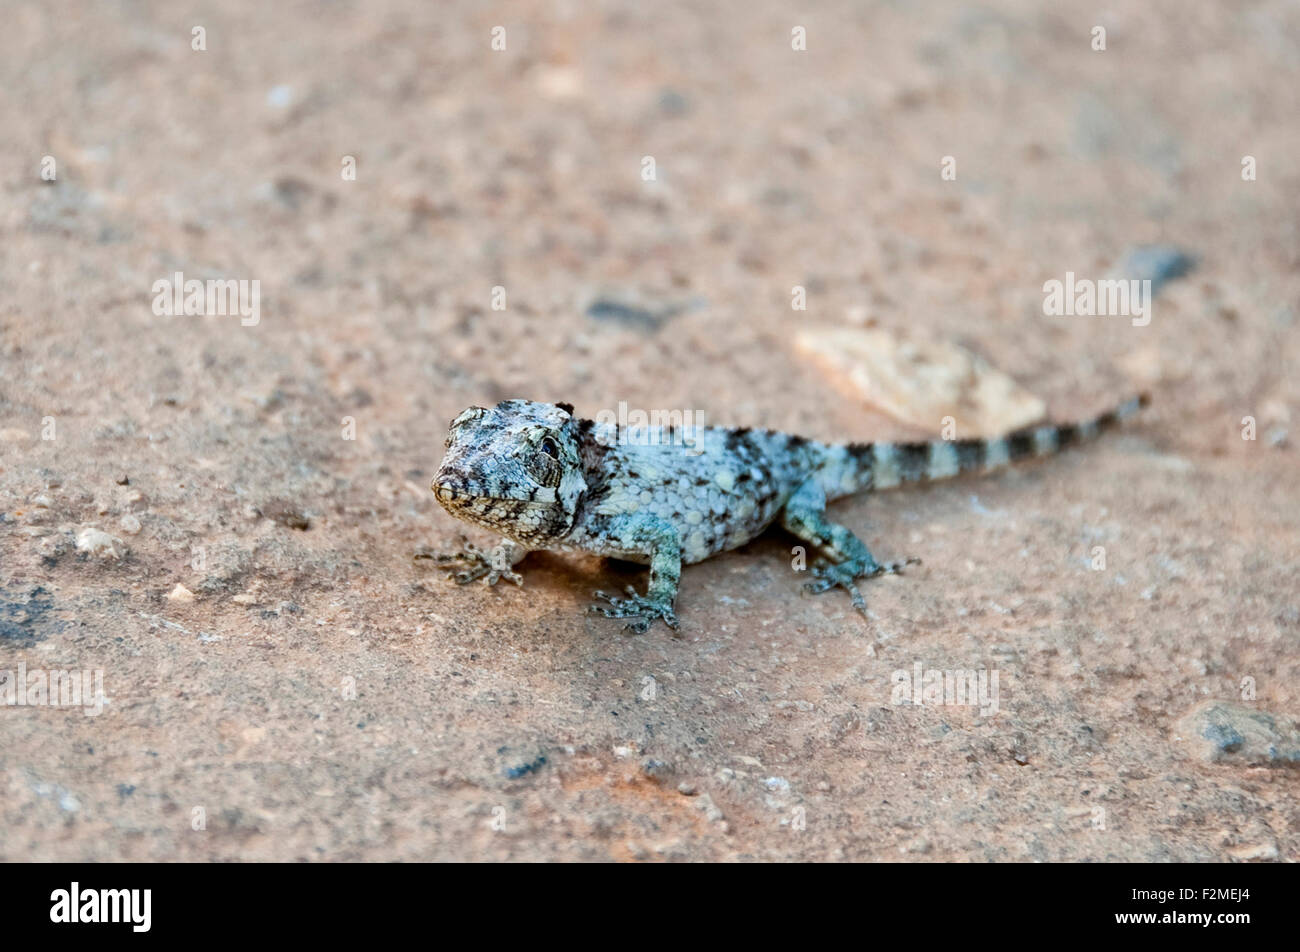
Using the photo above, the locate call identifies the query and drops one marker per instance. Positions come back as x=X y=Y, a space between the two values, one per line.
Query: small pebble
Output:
x=180 y=594
x=100 y=544
x=656 y=769
x=280 y=97
x=1158 y=264
x=710 y=809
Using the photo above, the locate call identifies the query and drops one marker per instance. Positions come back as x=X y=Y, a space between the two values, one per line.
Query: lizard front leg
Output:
x=662 y=543
x=474 y=563
x=847 y=557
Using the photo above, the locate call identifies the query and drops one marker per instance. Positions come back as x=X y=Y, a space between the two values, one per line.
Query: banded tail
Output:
x=885 y=465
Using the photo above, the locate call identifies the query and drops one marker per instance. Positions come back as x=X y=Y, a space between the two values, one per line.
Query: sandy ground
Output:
x=312 y=693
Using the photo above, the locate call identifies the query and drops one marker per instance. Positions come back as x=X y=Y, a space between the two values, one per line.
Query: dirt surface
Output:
x=311 y=692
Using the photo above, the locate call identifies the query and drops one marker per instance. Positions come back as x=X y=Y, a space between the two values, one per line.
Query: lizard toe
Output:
x=846 y=575
x=468 y=575
x=890 y=568
x=639 y=610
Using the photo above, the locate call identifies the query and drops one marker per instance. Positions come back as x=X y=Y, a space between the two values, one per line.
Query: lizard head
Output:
x=515 y=469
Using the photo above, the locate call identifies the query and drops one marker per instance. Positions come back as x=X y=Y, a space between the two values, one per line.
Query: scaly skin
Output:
x=544 y=479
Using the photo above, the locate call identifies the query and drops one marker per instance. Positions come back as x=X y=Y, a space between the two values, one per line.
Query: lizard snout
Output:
x=448 y=484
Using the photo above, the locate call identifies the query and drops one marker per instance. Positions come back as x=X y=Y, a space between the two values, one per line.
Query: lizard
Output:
x=543 y=478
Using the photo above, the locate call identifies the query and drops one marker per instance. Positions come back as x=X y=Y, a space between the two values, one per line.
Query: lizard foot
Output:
x=641 y=609
x=828 y=575
x=473 y=563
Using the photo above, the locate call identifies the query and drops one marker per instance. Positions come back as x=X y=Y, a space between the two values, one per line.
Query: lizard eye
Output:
x=550 y=448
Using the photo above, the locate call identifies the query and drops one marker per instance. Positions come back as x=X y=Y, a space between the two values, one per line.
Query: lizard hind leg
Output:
x=846 y=557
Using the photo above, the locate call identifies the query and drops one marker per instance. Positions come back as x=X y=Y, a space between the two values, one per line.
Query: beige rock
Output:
x=559 y=82
x=921 y=380
x=1220 y=732
x=1254 y=851
x=180 y=594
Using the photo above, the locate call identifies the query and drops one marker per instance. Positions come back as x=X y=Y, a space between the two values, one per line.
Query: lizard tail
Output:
x=885 y=465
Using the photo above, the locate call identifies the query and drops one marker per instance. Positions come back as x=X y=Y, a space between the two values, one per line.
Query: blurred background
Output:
x=221 y=515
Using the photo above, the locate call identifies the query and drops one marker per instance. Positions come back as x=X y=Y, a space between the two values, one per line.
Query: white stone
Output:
x=99 y=543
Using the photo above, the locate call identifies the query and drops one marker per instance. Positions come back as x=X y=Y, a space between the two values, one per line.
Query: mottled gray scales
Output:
x=545 y=479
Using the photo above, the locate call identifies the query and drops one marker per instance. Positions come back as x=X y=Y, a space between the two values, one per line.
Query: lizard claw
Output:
x=472 y=563
x=641 y=610
x=844 y=575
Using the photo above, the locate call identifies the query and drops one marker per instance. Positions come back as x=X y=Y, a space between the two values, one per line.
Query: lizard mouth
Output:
x=453 y=492
x=454 y=495
x=449 y=493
